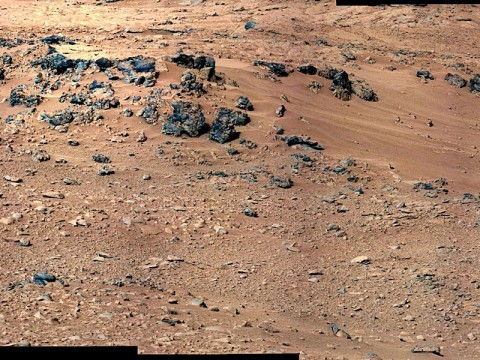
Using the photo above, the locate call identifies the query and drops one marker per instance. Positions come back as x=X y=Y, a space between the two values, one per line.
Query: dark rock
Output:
x=231 y=151
x=139 y=80
x=104 y=63
x=275 y=68
x=168 y=321
x=222 y=174
x=348 y=56
x=18 y=97
x=187 y=118
x=139 y=64
x=106 y=103
x=68 y=115
x=223 y=127
x=302 y=157
x=456 y=80
x=19 y=118
x=130 y=67
x=199 y=303
x=2 y=74
x=425 y=74
x=183 y=60
x=7 y=60
x=308 y=69
x=249 y=212
x=475 y=84
x=364 y=92
x=190 y=84
x=96 y=85
x=73 y=142
x=127 y=112
x=55 y=62
x=105 y=171
x=248 y=144
x=305 y=143
x=42 y=278
x=423 y=186
x=149 y=113
x=53 y=39
x=322 y=42
x=315 y=86
x=328 y=72
x=81 y=66
x=204 y=62
x=99 y=158
x=244 y=104
x=341 y=86
x=280 y=111
x=281 y=182
x=79 y=99
x=209 y=73
x=339 y=170
x=279 y=130
x=250 y=25
x=111 y=76
x=236 y=117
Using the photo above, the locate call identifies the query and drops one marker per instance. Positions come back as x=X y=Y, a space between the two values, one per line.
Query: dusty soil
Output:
x=137 y=253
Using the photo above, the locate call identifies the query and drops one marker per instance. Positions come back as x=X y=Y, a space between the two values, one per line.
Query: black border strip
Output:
x=120 y=353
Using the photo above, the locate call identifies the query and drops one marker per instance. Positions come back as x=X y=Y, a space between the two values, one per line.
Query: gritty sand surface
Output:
x=133 y=252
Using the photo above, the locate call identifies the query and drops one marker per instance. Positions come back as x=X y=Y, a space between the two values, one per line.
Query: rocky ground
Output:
x=256 y=177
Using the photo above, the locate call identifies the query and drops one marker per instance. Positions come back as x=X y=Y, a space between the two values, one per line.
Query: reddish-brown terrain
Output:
x=135 y=252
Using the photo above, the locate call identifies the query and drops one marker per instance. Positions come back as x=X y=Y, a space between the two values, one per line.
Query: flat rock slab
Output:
x=53 y=195
x=364 y=260
x=434 y=349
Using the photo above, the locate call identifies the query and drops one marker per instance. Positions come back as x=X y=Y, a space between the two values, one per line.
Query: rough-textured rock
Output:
x=149 y=113
x=40 y=155
x=70 y=115
x=281 y=182
x=187 y=118
x=104 y=63
x=42 y=278
x=53 y=39
x=55 y=62
x=223 y=127
x=244 y=103
x=201 y=62
x=425 y=74
x=275 y=68
x=315 y=86
x=455 y=80
x=190 y=84
x=133 y=69
x=328 y=72
x=100 y=158
x=19 y=96
x=363 y=91
x=184 y=60
x=341 y=86
x=304 y=142
x=139 y=64
x=475 y=84
x=308 y=69
x=434 y=349
x=280 y=111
